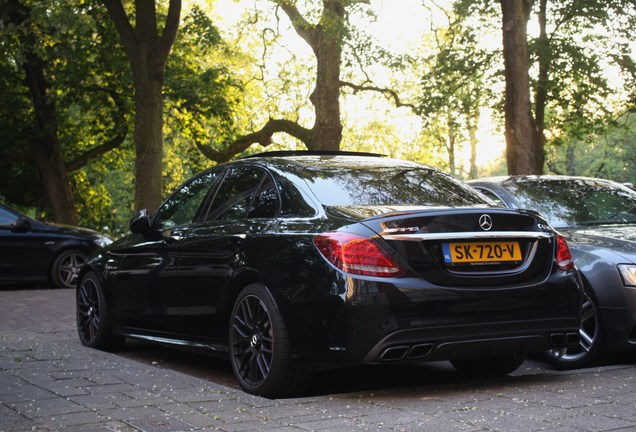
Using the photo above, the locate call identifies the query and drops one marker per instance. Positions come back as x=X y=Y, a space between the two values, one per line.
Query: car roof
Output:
x=297 y=161
x=534 y=178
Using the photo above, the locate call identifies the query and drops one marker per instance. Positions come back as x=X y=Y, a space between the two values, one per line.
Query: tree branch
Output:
x=116 y=141
x=304 y=29
x=392 y=94
x=170 y=30
x=95 y=152
x=262 y=137
x=122 y=24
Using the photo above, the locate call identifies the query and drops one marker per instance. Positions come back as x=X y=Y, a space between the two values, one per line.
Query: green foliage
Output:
x=85 y=86
x=610 y=154
x=91 y=89
x=591 y=74
x=453 y=87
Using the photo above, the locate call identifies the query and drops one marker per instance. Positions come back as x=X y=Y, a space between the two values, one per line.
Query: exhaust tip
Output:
x=558 y=340
x=421 y=351
x=394 y=353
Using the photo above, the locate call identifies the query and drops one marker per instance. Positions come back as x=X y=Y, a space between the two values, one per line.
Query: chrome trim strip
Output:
x=468 y=235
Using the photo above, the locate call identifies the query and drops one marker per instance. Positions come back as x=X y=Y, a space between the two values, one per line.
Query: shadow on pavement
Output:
x=432 y=376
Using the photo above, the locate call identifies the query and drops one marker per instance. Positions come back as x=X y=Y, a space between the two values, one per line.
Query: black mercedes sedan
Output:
x=292 y=262
x=598 y=218
x=36 y=252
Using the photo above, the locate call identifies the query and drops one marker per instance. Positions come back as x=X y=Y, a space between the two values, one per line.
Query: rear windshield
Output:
x=571 y=202
x=392 y=185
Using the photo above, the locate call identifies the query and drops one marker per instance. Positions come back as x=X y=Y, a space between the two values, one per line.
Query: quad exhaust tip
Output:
x=406 y=352
x=564 y=340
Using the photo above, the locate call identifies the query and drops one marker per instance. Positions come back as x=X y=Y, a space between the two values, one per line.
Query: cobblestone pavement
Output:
x=50 y=382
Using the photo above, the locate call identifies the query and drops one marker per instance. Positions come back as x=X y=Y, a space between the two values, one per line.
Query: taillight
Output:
x=357 y=255
x=563 y=255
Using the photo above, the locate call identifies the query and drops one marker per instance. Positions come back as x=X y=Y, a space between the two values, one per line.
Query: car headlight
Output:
x=103 y=241
x=628 y=273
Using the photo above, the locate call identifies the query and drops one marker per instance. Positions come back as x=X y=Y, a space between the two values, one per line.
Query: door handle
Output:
x=172 y=236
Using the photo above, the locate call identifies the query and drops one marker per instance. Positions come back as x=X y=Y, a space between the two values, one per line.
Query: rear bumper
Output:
x=474 y=342
x=410 y=320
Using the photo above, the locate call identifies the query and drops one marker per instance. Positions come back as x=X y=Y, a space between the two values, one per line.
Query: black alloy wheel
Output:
x=93 y=322
x=259 y=346
x=66 y=268
x=589 y=351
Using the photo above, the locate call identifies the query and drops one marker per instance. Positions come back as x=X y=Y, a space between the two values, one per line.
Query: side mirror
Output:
x=140 y=224
x=21 y=225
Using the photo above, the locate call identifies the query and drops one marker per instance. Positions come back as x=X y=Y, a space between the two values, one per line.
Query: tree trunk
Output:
x=45 y=150
x=521 y=154
x=148 y=143
x=541 y=96
x=571 y=159
x=450 y=146
x=56 y=187
x=472 y=122
x=147 y=51
x=326 y=40
x=327 y=131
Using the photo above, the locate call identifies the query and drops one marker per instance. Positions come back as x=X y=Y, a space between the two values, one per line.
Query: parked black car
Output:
x=38 y=252
x=288 y=263
x=598 y=218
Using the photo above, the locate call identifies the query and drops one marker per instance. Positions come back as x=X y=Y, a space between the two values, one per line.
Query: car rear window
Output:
x=574 y=202
x=387 y=185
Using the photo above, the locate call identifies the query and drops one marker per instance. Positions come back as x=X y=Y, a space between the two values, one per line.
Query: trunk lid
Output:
x=467 y=246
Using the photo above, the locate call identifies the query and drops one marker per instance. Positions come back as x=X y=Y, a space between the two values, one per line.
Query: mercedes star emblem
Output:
x=485 y=222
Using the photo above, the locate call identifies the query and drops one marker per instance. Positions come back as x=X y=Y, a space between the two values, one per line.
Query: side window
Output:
x=493 y=196
x=244 y=190
x=182 y=207
x=265 y=203
x=7 y=218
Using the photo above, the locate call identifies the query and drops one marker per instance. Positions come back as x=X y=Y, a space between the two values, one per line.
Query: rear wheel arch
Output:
x=259 y=345
x=238 y=284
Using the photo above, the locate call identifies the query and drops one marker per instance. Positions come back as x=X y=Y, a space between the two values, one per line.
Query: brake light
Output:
x=357 y=255
x=563 y=255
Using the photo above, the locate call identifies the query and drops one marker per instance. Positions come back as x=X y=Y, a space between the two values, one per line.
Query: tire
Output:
x=66 y=267
x=93 y=320
x=259 y=346
x=489 y=367
x=591 y=347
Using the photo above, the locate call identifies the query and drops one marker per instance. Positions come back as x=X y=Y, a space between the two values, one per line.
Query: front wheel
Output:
x=66 y=268
x=259 y=346
x=93 y=320
x=590 y=349
x=489 y=367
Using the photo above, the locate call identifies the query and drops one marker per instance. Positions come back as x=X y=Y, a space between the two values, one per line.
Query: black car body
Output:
x=598 y=218
x=290 y=263
x=38 y=252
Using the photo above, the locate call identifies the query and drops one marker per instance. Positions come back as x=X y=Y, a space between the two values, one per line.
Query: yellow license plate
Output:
x=481 y=252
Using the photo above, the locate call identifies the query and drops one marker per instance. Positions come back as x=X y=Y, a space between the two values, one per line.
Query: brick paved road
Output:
x=48 y=382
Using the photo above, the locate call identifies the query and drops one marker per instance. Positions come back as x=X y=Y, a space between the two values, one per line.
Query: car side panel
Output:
x=25 y=256
x=136 y=271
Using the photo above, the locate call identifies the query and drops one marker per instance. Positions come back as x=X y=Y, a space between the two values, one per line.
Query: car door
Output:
x=214 y=249
x=145 y=266
x=25 y=254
